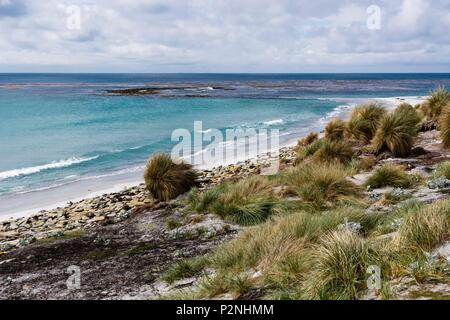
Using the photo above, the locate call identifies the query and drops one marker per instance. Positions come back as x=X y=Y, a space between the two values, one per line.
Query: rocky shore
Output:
x=112 y=208
x=124 y=242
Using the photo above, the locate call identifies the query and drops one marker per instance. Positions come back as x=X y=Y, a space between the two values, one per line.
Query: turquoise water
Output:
x=58 y=129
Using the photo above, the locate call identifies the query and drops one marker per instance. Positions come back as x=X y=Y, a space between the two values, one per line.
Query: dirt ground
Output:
x=117 y=261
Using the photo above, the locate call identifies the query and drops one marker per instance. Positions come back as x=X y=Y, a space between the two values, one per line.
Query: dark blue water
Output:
x=58 y=128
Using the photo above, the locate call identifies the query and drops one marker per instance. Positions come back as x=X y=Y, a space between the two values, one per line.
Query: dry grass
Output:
x=334 y=152
x=306 y=141
x=364 y=121
x=432 y=108
x=444 y=125
x=397 y=131
x=426 y=228
x=389 y=176
x=443 y=170
x=321 y=185
x=246 y=202
x=335 y=130
x=340 y=267
x=166 y=180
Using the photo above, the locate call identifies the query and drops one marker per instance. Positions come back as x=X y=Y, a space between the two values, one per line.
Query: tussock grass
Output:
x=442 y=170
x=335 y=130
x=246 y=202
x=361 y=165
x=397 y=131
x=364 y=121
x=325 y=150
x=432 y=108
x=321 y=185
x=444 y=125
x=334 y=152
x=166 y=180
x=258 y=246
x=185 y=268
x=390 y=198
x=427 y=227
x=340 y=266
x=306 y=141
x=307 y=151
x=389 y=175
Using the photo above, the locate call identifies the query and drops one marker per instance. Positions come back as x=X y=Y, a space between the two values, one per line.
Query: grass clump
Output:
x=364 y=121
x=334 y=152
x=361 y=165
x=326 y=150
x=426 y=228
x=444 y=126
x=321 y=185
x=335 y=130
x=173 y=223
x=394 y=197
x=166 y=180
x=442 y=170
x=397 y=131
x=340 y=267
x=281 y=250
x=389 y=175
x=307 y=151
x=306 y=141
x=185 y=268
x=247 y=202
x=432 y=108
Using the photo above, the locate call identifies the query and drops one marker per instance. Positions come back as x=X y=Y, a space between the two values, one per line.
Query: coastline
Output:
x=24 y=205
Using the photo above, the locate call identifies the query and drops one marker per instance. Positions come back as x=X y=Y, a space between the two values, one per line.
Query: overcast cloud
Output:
x=224 y=36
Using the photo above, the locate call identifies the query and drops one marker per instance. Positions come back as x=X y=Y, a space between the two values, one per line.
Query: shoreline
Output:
x=35 y=202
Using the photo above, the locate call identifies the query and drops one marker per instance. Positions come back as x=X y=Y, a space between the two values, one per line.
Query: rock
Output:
x=443 y=252
x=439 y=183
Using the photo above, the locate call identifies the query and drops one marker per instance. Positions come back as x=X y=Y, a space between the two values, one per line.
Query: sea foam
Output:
x=36 y=169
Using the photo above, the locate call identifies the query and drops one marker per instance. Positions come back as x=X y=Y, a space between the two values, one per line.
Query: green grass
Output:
x=397 y=131
x=247 y=202
x=140 y=249
x=389 y=176
x=165 y=179
x=321 y=185
x=340 y=267
x=432 y=108
x=364 y=121
x=427 y=227
x=443 y=170
x=185 y=268
x=173 y=223
x=335 y=130
x=306 y=141
x=307 y=255
x=72 y=234
x=307 y=151
x=444 y=125
x=334 y=152
x=356 y=165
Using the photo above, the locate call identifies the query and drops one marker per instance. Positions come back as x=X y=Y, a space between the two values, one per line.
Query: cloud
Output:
x=12 y=8
x=224 y=36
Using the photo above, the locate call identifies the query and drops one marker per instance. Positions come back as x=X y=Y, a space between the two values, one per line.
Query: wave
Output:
x=70 y=179
x=36 y=169
x=273 y=122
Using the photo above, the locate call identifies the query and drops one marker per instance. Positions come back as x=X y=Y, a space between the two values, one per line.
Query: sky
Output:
x=225 y=36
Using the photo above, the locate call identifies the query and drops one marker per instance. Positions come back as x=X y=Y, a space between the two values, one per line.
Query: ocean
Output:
x=63 y=136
